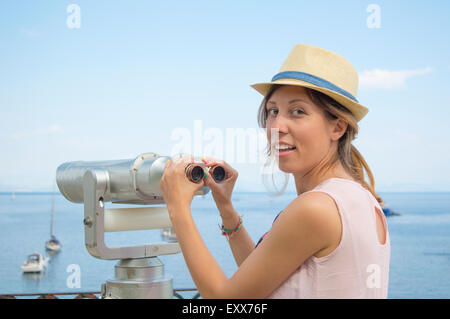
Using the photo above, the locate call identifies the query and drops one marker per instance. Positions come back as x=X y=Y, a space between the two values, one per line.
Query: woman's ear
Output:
x=339 y=127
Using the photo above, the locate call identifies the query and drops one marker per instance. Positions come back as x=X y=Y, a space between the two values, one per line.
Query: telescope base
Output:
x=141 y=278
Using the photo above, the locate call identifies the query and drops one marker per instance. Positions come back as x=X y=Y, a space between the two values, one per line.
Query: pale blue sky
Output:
x=136 y=70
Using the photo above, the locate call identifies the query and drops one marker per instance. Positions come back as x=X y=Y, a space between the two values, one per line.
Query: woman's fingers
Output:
x=230 y=172
x=209 y=181
x=209 y=161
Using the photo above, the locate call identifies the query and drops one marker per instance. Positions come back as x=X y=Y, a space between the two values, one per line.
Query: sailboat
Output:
x=53 y=244
x=13 y=196
x=34 y=263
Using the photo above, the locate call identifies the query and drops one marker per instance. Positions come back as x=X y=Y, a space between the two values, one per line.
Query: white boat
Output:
x=169 y=234
x=53 y=244
x=34 y=263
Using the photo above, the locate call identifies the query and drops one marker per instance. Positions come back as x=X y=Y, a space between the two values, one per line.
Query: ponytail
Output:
x=359 y=165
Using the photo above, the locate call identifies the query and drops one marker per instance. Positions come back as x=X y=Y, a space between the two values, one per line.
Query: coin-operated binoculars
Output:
x=139 y=272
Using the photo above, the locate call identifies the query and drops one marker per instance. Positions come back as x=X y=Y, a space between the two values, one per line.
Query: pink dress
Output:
x=359 y=266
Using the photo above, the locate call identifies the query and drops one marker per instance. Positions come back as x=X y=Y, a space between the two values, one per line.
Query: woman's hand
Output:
x=221 y=191
x=178 y=191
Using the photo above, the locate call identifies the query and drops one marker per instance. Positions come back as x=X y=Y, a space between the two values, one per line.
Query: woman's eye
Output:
x=274 y=112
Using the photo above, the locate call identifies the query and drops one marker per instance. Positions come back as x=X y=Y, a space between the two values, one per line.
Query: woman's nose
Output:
x=279 y=123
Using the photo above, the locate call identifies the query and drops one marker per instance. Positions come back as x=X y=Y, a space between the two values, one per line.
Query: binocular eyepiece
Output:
x=196 y=172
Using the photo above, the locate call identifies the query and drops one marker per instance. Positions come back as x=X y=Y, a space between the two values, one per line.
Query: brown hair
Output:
x=350 y=158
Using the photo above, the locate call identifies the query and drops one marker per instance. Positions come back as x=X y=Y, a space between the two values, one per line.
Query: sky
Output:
x=106 y=80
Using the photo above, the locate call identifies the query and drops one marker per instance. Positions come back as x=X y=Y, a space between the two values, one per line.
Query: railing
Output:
x=177 y=293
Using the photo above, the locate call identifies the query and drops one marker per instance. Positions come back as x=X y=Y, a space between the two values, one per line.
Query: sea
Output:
x=420 y=242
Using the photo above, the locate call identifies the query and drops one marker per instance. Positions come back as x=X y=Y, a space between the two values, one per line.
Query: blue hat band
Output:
x=313 y=80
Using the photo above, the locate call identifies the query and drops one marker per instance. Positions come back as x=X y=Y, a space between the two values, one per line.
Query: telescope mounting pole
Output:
x=139 y=273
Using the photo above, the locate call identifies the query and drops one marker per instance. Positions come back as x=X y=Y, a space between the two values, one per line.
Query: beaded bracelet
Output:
x=230 y=232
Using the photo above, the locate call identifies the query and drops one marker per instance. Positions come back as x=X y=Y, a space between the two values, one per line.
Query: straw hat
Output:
x=321 y=70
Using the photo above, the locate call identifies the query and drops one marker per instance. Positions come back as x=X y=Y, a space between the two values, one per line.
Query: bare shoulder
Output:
x=319 y=213
x=314 y=205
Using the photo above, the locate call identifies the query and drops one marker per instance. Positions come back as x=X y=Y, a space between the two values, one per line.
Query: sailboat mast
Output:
x=52 y=227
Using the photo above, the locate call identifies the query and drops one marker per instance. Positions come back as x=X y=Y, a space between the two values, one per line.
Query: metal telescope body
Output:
x=139 y=273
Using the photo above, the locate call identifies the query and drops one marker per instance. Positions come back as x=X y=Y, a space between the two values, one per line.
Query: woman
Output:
x=332 y=240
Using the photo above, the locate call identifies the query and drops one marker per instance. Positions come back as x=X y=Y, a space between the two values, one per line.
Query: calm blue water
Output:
x=420 y=242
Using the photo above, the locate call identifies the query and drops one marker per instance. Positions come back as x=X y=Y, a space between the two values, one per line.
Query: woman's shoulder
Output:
x=315 y=203
x=318 y=208
x=313 y=215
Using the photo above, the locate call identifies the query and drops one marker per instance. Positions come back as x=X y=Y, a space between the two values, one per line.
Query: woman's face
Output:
x=302 y=126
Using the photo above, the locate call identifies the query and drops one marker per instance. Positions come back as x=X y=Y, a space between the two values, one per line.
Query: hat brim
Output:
x=358 y=110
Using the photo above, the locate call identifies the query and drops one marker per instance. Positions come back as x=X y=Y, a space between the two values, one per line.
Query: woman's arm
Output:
x=240 y=242
x=307 y=225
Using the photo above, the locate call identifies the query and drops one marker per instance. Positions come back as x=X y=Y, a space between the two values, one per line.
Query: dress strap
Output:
x=265 y=234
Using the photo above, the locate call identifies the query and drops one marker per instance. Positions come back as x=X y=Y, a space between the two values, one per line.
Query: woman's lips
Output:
x=284 y=153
